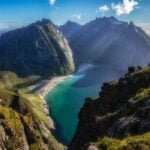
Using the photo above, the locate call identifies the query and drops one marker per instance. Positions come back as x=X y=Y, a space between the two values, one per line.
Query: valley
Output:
x=74 y=86
x=64 y=106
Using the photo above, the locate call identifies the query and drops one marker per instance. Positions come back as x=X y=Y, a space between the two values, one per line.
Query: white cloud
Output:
x=104 y=9
x=77 y=16
x=52 y=2
x=126 y=7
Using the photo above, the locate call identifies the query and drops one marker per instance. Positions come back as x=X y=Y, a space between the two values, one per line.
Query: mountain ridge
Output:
x=69 y=28
x=33 y=47
x=109 y=36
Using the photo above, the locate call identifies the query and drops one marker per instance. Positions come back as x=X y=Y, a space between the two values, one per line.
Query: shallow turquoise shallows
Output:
x=67 y=98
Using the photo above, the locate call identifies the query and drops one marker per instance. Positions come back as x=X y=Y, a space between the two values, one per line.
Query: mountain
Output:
x=24 y=121
x=2 y=31
x=119 y=119
x=69 y=28
x=110 y=41
x=37 y=49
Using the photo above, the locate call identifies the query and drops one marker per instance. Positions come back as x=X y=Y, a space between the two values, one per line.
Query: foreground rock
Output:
x=24 y=124
x=120 y=118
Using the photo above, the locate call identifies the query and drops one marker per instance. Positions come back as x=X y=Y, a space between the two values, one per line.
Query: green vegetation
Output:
x=10 y=121
x=23 y=118
x=140 y=142
x=11 y=81
x=143 y=94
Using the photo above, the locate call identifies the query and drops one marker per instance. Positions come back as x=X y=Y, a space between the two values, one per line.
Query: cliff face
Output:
x=24 y=123
x=110 y=41
x=119 y=118
x=37 y=49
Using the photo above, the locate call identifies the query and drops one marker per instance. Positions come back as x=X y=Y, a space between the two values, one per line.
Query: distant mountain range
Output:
x=41 y=49
x=69 y=28
x=110 y=41
x=38 y=49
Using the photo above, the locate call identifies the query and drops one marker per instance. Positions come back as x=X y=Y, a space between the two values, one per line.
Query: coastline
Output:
x=43 y=87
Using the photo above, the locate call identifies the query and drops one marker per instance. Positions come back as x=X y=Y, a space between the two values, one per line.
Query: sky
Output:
x=14 y=13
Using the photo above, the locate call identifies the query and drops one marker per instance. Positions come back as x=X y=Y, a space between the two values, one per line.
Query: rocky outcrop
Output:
x=119 y=117
x=24 y=124
x=37 y=49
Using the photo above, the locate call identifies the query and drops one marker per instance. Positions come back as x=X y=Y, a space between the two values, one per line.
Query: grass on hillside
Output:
x=140 y=142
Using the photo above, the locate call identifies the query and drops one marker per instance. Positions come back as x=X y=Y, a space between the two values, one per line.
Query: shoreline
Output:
x=43 y=87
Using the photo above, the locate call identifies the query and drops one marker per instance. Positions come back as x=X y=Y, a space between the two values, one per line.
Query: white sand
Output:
x=43 y=87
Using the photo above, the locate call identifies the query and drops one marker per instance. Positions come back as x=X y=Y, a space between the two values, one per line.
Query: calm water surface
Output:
x=67 y=98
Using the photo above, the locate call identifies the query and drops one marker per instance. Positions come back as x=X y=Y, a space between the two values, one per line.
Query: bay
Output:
x=66 y=99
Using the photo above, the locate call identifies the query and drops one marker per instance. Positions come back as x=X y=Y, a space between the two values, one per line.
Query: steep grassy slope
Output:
x=24 y=124
x=24 y=117
x=139 y=142
x=10 y=80
x=120 y=118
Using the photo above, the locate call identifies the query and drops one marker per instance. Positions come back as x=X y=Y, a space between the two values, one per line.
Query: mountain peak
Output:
x=110 y=19
x=113 y=39
x=43 y=22
x=35 y=46
x=69 y=28
x=69 y=22
x=132 y=24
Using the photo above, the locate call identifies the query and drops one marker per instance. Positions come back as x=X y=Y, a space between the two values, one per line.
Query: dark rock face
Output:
x=122 y=109
x=69 y=28
x=38 y=49
x=110 y=41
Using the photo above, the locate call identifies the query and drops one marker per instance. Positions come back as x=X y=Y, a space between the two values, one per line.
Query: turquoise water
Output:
x=67 y=98
x=66 y=101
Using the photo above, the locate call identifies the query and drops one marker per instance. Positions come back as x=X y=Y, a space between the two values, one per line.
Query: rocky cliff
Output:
x=37 y=49
x=24 y=118
x=119 y=119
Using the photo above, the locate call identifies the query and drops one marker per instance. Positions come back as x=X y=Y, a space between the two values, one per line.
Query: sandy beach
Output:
x=43 y=87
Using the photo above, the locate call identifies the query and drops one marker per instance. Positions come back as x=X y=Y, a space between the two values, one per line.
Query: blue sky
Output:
x=22 y=12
